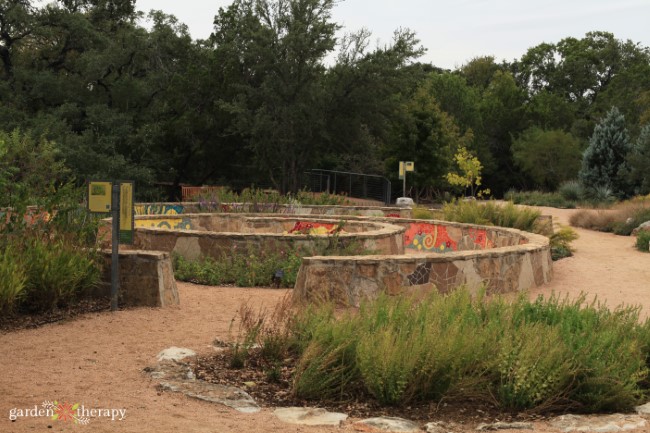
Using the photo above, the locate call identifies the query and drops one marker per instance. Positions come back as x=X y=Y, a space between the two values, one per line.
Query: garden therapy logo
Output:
x=67 y=412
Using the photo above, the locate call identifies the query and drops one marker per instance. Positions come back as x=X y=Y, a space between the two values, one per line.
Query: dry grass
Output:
x=608 y=220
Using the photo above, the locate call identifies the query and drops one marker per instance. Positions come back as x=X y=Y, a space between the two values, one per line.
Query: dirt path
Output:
x=98 y=360
x=605 y=266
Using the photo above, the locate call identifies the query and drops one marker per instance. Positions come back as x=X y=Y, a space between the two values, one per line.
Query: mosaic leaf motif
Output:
x=427 y=237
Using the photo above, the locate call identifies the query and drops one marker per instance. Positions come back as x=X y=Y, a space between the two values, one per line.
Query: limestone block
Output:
x=146 y=278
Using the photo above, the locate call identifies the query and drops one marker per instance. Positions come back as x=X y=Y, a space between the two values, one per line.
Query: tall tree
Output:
x=592 y=74
x=280 y=110
x=604 y=162
x=429 y=137
x=548 y=157
x=638 y=161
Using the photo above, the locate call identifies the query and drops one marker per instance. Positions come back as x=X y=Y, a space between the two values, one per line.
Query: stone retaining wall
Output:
x=171 y=209
x=348 y=280
x=246 y=233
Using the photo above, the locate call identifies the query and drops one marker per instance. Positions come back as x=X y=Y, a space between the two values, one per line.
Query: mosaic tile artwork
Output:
x=427 y=237
x=304 y=228
x=167 y=223
x=158 y=209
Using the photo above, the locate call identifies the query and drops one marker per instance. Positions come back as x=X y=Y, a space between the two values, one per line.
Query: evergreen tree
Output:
x=604 y=161
x=639 y=163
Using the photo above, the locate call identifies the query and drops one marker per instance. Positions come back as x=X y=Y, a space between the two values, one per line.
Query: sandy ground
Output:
x=605 y=266
x=97 y=360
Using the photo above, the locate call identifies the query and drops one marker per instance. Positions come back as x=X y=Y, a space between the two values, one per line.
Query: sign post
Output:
x=115 y=243
x=405 y=166
x=116 y=198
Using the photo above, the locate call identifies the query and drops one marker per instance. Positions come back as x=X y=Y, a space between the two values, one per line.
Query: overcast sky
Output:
x=455 y=31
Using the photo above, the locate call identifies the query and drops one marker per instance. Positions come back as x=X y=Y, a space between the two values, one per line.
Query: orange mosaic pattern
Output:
x=429 y=237
x=480 y=238
x=304 y=228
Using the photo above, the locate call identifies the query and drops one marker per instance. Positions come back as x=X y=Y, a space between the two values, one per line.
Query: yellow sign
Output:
x=405 y=166
x=99 y=196
x=126 y=212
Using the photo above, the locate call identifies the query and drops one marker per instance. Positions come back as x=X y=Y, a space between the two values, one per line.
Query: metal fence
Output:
x=356 y=185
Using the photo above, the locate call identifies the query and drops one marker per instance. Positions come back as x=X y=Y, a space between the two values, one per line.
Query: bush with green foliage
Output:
x=252 y=268
x=549 y=354
x=604 y=163
x=263 y=201
x=548 y=157
x=539 y=198
x=57 y=274
x=12 y=279
x=638 y=161
x=560 y=242
x=422 y=213
x=47 y=239
x=507 y=215
x=643 y=241
x=39 y=274
x=571 y=191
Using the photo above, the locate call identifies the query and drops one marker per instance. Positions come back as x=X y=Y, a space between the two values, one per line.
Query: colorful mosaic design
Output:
x=305 y=228
x=158 y=209
x=166 y=223
x=430 y=238
x=480 y=238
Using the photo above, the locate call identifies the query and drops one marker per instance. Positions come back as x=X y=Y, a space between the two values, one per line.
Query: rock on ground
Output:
x=386 y=424
x=644 y=409
x=645 y=227
x=598 y=423
x=175 y=354
x=506 y=426
x=309 y=416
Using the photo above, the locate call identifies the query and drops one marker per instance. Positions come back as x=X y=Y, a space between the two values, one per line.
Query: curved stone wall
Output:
x=171 y=209
x=348 y=280
x=414 y=255
x=214 y=235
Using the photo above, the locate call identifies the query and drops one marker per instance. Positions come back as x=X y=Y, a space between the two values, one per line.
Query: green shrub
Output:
x=264 y=201
x=547 y=354
x=422 y=213
x=57 y=273
x=253 y=268
x=535 y=367
x=571 y=190
x=599 y=194
x=389 y=363
x=491 y=214
x=12 y=279
x=560 y=242
x=539 y=198
x=327 y=367
x=643 y=241
x=625 y=228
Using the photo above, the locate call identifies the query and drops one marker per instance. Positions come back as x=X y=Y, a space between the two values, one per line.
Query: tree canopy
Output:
x=278 y=89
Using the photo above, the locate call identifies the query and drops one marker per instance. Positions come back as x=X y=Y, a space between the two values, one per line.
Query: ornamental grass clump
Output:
x=508 y=215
